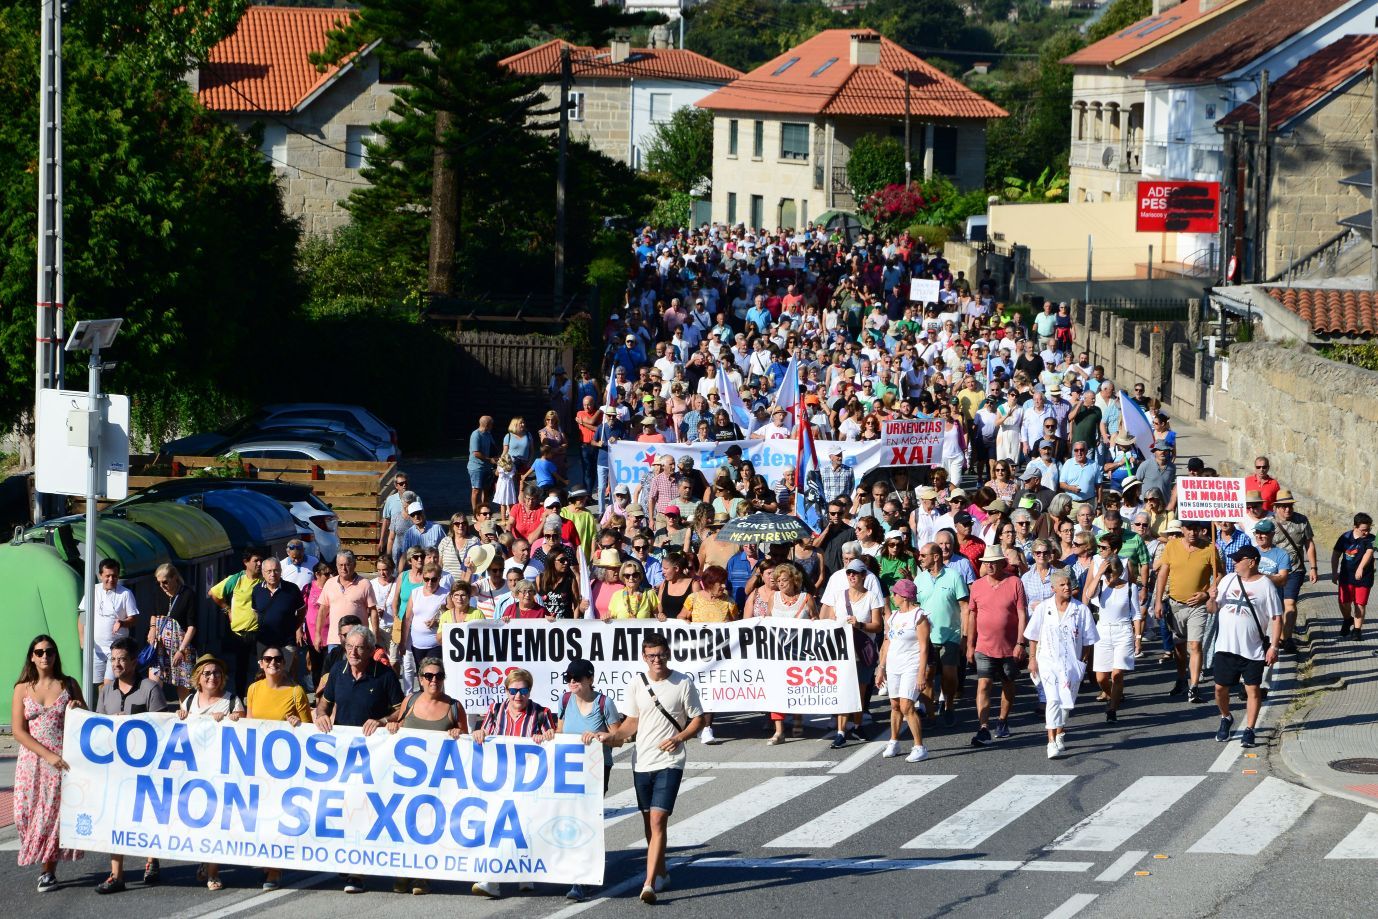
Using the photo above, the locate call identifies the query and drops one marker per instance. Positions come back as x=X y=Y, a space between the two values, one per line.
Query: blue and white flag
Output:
x=809 y=505
x=732 y=401
x=1134 y=419
x=787 y=393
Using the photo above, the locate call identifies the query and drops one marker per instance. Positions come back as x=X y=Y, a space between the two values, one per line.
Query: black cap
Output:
x=578 y=669
x=1195 y=464
x=964 y=519
x=1244 y=552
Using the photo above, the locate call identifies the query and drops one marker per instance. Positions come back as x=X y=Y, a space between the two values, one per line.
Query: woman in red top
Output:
x=527 y=514
x=526 y=605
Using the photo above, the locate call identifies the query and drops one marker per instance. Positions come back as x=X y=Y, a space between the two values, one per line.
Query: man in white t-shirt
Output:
x=115 y=612
x=1248 y=606
x=663 y=712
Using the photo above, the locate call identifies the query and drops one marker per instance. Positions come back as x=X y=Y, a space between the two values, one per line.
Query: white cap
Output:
x=552 y=501
x=415 y=508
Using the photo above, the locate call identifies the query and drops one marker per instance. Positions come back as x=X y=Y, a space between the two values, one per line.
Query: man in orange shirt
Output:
x=586 y=420
x=1263 y=483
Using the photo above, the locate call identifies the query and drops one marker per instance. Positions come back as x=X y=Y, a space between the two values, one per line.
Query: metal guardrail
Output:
x=1165 y=309
x=1326 y=254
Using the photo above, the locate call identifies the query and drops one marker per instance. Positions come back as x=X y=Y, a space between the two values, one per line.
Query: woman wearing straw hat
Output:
x=607 y=573
x=210 y=700
x=1124 y=457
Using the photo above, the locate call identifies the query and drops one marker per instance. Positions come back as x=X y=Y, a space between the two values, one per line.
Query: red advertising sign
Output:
x=1179 y=207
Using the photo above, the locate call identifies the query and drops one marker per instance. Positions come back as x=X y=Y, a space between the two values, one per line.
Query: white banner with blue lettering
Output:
x=629 y=459
x=411 y=804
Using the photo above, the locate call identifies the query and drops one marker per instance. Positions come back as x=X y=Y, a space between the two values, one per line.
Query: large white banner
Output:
x=629 y=459
x=754 y=665
x=413 y=804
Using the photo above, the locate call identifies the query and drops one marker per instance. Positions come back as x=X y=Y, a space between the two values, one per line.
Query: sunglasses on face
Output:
x=431 y=580
x=519 y=690
x=433 y=675
x=271 y=658
x=45 y=652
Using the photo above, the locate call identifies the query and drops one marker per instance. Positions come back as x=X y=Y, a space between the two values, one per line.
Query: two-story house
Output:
x=1108 y=93
x=783 y=133
x=314 y=125
x=619 y=94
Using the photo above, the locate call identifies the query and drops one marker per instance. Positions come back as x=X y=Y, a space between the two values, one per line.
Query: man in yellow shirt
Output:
x=235 y=596
x=1189 y=572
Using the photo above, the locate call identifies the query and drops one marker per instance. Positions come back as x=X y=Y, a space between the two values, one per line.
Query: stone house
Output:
x=315 y=126
x=1319 y=134
x=619 y=94
x=783 y=133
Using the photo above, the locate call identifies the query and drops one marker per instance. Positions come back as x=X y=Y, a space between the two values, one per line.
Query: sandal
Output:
x=776 y=738
x=215 y=884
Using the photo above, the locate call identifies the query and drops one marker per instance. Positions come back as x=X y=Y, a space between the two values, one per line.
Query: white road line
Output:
x=1128 y=813
x=891 y=864
x=859 y=758
x=267 y=897
x=992 y=812
x=1262 y=816
x=1362 y=842
x=10 y=845
x=1225 y=761
x=1121 y=866
x=1075 y=904
x=623 y=804
x=709 y=824
x=851 y=817
x=764 y=764
x=632 y=883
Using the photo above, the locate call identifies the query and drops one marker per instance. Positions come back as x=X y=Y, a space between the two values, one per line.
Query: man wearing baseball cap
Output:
x=1249 y=609
x=1190 y=570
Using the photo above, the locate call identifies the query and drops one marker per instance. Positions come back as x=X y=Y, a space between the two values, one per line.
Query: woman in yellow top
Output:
x=458 y=607
x=276 y=697
x=710 y=603
x=636 y=599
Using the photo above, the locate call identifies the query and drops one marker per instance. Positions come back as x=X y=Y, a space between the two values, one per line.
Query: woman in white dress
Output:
x=1112 y=587
x=903 y=656
x=1059 y=629
x=1007 y=437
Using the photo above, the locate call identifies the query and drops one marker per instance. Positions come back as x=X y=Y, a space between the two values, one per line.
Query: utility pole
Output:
x=48 y=331
x=1373 y=183
x=1260 y=179
x=444 y=211
x=566 y=77
x=908 y=149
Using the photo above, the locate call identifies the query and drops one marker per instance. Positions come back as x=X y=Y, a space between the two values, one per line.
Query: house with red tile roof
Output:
x=784 y=132
x=1108 y=93
x=315 y=126
x=620 y=93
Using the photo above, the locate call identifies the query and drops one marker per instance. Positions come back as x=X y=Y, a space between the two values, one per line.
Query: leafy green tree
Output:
x=680 y=151
x=914 y=24
x=747 y=33
x=1037 y=135
x=1121 y=14
x=875 y=162
x=173 y=220
x=446 y=52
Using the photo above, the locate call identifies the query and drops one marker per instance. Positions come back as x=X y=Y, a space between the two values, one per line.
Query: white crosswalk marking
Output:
x=1362 y=842
x=1262 y=816
x=990 y=813
x=851 y=817
x=738 y=809
x=622 y=805
x=1131 y=810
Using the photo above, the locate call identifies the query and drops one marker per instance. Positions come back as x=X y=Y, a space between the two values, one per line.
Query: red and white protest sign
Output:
x=911 y=442
x=1210 y=499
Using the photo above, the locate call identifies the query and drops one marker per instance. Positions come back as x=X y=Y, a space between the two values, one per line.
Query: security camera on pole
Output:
x=82 y=447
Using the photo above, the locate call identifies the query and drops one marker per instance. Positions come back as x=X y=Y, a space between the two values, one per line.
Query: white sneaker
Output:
x=485 y=889
x=1061 y=743
x=662 y=882
x=917 y=755
x=1053 y=751
x=892 y=749
x=706 y=736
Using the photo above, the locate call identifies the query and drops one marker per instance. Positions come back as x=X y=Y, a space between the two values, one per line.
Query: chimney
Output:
x=1160 y=6
x=865 y=48
x=621 y=49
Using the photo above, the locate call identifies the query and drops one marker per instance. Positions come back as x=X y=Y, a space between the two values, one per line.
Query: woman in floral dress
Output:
x=42 y=696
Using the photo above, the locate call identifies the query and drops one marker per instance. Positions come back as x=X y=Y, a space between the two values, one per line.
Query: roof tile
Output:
x=1351 y=313
x=1127 y=42
x=1258 y=29
x=643 y=63
x=263 y=66
x=1309 y=82
x=823 y=81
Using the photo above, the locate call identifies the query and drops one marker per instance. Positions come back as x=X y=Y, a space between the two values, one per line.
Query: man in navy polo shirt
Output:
x=281 y=613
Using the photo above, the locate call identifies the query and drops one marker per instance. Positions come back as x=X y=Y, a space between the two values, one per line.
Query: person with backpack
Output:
x=427 y=709
x=592 y=715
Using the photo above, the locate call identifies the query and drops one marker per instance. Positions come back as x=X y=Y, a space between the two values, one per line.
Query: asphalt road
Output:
x=1149 y=817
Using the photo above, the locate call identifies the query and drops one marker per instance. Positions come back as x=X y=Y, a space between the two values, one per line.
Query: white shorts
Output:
x=1115 y=650
x=903 y=684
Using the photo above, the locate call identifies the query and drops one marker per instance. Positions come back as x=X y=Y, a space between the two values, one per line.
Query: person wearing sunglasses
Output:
x=276 y=697
x=427 y=709
x=42 y=696
x=518 y=715
x=213 y=700
x=422 y=618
